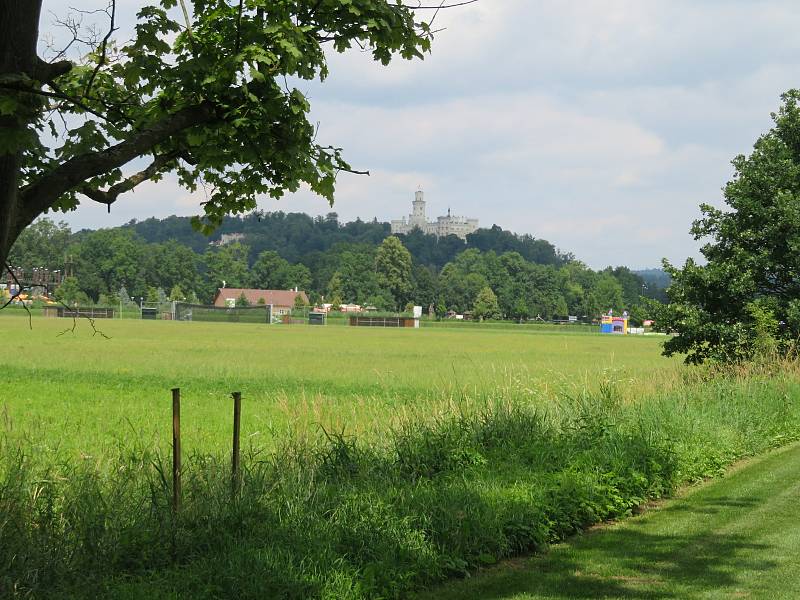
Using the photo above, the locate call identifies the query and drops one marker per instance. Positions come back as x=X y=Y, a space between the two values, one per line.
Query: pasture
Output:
x=376 y=462
x=77 y=392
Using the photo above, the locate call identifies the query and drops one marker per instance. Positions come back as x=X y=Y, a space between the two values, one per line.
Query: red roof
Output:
x=274 y=297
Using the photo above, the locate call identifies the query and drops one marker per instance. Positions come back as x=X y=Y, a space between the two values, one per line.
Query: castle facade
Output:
x=446 y=225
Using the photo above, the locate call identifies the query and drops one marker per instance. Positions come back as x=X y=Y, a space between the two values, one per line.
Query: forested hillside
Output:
x=495 y=273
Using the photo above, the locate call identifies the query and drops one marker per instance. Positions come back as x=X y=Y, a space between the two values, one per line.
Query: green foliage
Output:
x=486 y=306
x=727 y=309
x=423 y=286
x=45 y=244
x=271 y=272
x=164 y=254
x=348 y=518
x=152 y=295
x=440 y=308
x=242 y=300
x=212 y=91
x=69 y=292
x=176 y=294
x=124 y=299
x=299 y=302
x=229 y=264
x=393 y=267
x=708 y=542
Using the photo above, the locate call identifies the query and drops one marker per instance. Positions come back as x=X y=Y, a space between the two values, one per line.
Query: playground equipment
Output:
x=615 y=325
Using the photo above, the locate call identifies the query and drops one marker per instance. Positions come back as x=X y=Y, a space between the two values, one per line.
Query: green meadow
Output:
x=78 y=391
x=376 y=462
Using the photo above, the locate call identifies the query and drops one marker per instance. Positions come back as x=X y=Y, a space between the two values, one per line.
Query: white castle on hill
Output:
x=449 y=225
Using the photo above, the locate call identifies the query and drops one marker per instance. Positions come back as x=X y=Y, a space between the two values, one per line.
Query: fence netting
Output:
x=260 y=313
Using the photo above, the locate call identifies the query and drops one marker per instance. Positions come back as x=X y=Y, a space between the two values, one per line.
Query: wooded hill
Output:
x=519 y=276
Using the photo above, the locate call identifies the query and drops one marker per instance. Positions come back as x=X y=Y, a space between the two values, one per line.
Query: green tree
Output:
x=357 y=271
x=749 y=288
x=519 y=310
x=393 y=266
x=632 y=285
x=298 y=276
x=299 y=302
x=205 y=98
x=486 y=306
x=152 y=295
x=108 y=259
x=608 y=293
x=43 y=244
x=70 y=293
x=227 y=264
x=440 y=308
x=381 y=301
x=124 y=299
x=423 y=286
x=269 y=271
x=460 y=286
x=170 y=264
x=177 y=294
x=242 y=300
x=335 y=288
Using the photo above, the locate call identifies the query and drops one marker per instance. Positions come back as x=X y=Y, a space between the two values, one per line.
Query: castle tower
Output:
x=419 y=207
x=418 y=214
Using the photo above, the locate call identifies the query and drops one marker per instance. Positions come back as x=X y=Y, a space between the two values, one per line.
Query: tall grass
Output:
x=496 y=474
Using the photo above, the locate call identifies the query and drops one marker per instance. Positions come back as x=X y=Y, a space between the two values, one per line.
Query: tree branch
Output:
x=103 y=47
x=39 y=196
x=75 y=315
x=109 y=196
x=45 y=72
x=19 y=87
x=239 y=27
x=15 y=296
x=439 y=7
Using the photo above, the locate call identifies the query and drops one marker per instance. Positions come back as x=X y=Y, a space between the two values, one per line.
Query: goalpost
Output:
x=259 y=313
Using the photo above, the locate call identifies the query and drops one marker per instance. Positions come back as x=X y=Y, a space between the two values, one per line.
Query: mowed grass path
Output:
x=79 y=392
x=738 y=537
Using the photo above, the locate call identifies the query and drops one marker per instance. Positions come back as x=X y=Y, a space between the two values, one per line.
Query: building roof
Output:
x=275 y=297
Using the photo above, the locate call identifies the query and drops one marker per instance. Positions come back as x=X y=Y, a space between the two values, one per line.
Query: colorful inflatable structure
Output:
x=611 y=324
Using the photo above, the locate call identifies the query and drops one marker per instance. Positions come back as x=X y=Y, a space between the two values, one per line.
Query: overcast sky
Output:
x=597 y=125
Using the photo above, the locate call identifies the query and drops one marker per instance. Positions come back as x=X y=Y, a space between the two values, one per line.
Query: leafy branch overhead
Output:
x=202 y=90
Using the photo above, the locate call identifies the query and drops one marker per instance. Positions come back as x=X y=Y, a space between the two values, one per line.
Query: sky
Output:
x=600 y=126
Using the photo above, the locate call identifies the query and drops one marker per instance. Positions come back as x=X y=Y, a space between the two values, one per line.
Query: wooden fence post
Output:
x=176 y=449
x=237 y=415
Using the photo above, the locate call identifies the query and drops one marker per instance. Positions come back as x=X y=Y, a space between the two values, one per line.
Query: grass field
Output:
x=377 y=462
x=90 y=391
x=734 y=538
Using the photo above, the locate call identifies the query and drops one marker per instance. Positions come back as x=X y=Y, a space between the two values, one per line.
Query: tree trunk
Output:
x=19 y=32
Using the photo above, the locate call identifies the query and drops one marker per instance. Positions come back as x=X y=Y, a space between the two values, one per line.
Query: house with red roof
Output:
x=282 y=301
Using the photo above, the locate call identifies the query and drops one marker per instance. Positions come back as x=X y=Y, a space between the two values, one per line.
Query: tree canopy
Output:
x=383 y=273
x=201 y=92
x=747 y=296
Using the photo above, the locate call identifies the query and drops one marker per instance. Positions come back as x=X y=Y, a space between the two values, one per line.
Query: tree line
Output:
x=493 y=273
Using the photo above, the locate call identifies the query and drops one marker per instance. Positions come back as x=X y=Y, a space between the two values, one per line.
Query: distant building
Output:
x=282 y=301
x=227 y=238
x=448 y=225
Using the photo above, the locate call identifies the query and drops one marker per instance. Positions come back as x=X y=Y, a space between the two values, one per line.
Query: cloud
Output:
x=600 y=125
